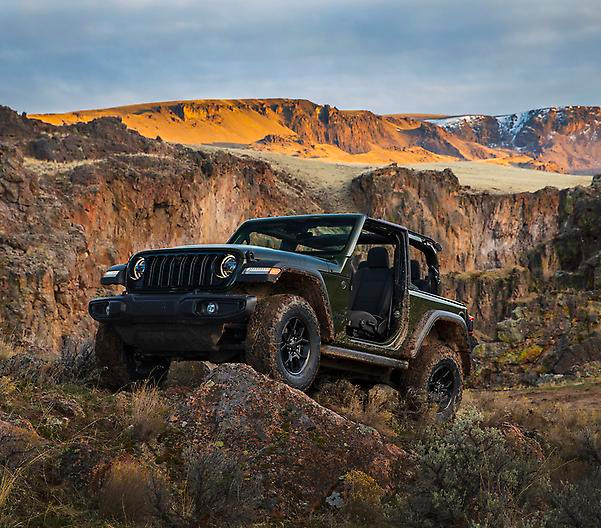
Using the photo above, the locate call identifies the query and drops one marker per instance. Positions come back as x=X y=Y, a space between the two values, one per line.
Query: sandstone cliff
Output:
x=345 y=133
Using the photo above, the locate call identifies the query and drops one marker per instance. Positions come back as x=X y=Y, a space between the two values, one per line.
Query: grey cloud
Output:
x=388 y=56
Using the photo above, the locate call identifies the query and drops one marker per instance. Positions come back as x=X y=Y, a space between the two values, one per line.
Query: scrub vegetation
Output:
x=74 y=455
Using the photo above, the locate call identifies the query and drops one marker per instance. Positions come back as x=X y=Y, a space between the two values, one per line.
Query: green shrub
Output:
x=577 y=505
x=468 y=474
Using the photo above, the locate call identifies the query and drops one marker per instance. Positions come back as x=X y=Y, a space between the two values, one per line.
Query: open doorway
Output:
x=376 y=284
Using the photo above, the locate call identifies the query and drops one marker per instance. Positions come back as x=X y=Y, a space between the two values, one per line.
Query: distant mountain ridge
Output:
x=569 y=137
x=562 y=140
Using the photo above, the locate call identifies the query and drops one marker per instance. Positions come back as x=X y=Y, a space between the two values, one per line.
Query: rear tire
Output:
x=283 y=340
x=437 y=373
x=118 y=365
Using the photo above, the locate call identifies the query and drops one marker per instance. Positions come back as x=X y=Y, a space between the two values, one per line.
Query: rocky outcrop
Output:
x=76 y=199
x=545 y=231
x=293 y=451
x=557 y=332
x=490 y=294
x=478 y=230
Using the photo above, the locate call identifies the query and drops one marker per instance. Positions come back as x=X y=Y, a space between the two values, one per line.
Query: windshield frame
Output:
x=356 y=219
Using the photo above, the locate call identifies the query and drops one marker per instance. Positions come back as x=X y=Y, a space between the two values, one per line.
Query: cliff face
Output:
x=478 y=230
x=568 y=138
x=564 y=139
x=545 y=231
x=76 y=199
x=249 y=121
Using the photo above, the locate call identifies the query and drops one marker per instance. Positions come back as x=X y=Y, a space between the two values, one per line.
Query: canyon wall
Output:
x=74 y=200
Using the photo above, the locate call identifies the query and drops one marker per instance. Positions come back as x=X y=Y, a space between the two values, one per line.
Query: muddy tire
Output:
x=436 y=373
x=283 y=340
x=119 y=367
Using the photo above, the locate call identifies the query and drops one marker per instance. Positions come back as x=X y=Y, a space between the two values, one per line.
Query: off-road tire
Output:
x=118 y=366
x=431 y=358
x=264 y=339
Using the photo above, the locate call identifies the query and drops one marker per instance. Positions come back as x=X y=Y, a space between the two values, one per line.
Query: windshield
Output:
x=316 y=236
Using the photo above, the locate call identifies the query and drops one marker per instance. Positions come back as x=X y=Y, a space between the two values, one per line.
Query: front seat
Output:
x=371 y=301
x=416 y=277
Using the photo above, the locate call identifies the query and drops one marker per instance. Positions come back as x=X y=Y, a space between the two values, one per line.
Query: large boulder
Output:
x=292 y=450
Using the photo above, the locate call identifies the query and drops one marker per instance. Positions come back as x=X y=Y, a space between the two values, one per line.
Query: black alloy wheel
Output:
x=443 y=384
x=295 y=348
x=283 y=340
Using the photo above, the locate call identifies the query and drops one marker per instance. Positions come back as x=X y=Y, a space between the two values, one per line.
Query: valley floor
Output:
x=550 y=400
x=336 y=176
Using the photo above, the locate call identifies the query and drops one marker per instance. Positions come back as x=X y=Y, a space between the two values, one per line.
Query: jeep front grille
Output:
x=181 y=271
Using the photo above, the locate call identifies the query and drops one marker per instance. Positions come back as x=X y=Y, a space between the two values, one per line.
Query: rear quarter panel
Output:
x=421 y=302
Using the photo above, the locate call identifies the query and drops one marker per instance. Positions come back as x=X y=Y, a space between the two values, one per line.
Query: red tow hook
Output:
x=470 y=324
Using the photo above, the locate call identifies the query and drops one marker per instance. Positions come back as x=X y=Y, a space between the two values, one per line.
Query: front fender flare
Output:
x=311 y=286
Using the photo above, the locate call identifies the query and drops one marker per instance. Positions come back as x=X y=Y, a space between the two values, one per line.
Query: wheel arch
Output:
x=312 y=288
x=448 y=328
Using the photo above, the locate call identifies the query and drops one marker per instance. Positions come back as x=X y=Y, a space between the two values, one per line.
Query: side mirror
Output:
x=114 y=276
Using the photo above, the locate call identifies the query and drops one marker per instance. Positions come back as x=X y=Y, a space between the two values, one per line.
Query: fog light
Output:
x=211 y=308
x=107 y=310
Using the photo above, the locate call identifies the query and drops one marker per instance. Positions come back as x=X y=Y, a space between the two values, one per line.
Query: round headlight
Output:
x=227 y=266
x=138 y=269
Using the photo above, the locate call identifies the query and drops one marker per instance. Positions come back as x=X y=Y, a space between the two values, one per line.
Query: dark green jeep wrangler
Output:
x=288 y=295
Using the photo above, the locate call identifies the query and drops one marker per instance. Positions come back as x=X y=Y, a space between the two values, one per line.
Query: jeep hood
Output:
x=268 y=256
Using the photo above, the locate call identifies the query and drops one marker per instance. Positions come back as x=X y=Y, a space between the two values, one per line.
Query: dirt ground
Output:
x=548 y=400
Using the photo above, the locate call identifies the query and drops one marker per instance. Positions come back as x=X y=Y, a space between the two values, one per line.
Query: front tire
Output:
x=118 y=365
x=437 y=373
x=283 y=340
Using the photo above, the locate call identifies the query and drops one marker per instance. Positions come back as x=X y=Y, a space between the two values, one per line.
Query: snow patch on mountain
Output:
x=509 y=127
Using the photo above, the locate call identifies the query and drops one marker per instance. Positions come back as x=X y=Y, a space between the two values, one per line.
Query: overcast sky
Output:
x=435 y=56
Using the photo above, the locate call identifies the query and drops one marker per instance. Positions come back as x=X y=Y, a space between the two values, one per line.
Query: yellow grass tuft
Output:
x=144 y=412
x=132 y=492
x=7 y=349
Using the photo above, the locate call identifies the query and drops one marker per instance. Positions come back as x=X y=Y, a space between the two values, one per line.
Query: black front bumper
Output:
x=176 y=323
x=172 y=308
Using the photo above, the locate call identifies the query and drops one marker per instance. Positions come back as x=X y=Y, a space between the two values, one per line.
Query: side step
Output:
x=363 y=357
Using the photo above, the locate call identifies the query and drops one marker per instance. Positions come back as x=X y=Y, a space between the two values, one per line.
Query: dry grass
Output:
x=54 y=167
x=571 y=434
x=7 y=484
x=132 y=493
x=218 y=491
x=143 y=412
x=482 y=176
x=7 y=349
x=377 y=407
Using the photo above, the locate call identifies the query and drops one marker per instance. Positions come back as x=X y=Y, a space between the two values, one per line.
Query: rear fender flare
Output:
x=450 y=328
